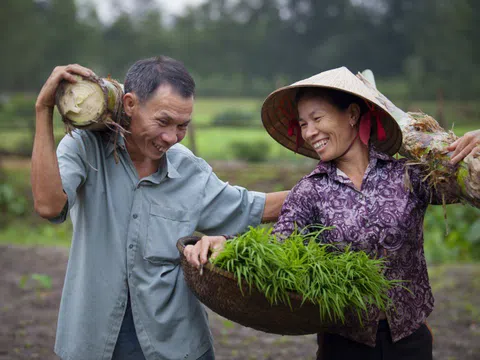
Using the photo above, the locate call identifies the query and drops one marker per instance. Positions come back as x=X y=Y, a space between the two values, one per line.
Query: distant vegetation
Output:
x=248 y=48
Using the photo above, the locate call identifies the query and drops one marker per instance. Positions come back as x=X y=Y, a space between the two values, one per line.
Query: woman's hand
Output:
x=467 y=144
x=46 y=97
x=197 y=254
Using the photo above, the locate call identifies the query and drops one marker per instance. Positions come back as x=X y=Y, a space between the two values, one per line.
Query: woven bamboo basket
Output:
x=220 y=291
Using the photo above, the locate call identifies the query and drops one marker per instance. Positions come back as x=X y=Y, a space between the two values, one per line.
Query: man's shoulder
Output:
x=179 y=155
x=76 y=138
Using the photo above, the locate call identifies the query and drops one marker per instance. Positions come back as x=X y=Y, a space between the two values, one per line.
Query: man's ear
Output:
x=130 y=102
x=354 y=113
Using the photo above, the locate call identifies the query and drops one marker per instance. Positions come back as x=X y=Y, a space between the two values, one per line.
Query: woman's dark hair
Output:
x=340 y=99
x=147 y=75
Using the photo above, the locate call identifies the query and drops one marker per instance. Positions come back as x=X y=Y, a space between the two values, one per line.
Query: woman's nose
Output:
x=310 y=131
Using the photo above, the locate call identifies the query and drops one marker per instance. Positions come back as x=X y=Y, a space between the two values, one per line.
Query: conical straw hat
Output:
x=276 y=119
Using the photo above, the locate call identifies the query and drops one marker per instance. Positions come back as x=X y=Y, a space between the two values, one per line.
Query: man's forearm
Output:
x=49 y=198
x=273 y=205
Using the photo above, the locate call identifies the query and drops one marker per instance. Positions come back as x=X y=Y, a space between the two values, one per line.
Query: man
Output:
x=124 y=295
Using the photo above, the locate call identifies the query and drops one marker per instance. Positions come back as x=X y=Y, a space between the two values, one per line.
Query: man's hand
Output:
x=197 y=254
x=46 y=97
x=467 y=144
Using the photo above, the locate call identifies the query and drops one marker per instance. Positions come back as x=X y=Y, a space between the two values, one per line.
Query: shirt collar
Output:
x=110 y=145
x=329 y=168
x=165 y=166
x=172 y=171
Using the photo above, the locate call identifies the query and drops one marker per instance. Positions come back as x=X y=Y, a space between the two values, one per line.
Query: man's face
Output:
x=159 y=123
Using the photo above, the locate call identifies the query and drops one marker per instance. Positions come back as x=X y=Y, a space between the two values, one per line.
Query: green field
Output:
x=205 y=109
x=216 y=143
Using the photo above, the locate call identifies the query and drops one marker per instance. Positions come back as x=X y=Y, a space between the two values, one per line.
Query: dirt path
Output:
x=28 y=312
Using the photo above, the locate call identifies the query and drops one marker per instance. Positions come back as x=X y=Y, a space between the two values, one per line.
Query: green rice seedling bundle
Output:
x=337 y=280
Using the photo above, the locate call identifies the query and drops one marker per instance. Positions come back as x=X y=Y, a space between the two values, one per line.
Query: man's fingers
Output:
x=197 y=254
x=218 y=248
x=69 y=73
x=80 y=70
x=205 y=246
x=191 y=255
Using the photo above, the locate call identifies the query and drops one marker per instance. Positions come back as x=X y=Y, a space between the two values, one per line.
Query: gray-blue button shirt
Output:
x=124 y=239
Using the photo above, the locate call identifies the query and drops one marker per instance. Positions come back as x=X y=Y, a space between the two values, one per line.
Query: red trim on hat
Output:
x=288 y=110
x=366 y=124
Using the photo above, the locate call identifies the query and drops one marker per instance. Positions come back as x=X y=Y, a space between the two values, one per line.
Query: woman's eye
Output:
x=302 y=125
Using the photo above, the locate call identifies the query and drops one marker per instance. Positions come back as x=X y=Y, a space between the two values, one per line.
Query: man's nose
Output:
x=170 y=137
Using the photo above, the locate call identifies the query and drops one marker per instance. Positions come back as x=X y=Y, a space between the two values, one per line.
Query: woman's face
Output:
x=327 y=129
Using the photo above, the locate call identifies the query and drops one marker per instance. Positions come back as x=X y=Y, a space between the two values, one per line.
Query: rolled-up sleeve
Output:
x=227 y=209
x=72 y=168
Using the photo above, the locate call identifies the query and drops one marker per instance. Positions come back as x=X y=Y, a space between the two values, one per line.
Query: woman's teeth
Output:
x=320 y=144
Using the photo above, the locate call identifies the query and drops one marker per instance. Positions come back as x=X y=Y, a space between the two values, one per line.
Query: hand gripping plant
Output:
x=424 y=142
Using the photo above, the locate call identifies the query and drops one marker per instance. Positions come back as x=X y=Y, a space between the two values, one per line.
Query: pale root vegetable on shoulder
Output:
x=424 y=143
x=91 y=103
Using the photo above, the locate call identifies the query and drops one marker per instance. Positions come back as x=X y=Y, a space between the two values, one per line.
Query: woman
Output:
x=358 y=188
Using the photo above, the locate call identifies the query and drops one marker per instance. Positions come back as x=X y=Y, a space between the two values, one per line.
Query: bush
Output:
x=462 y=243
x=12 y=204
x=18 y=111
x=234 y=117
x=251 y=152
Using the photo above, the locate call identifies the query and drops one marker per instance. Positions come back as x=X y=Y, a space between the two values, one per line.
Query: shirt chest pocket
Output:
x=165 y=227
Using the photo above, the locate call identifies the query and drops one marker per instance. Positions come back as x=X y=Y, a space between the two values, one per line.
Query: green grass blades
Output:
x=338 y=281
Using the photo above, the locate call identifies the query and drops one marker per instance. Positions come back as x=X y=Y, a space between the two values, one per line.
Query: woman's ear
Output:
x=353 y=114
x=129 y=103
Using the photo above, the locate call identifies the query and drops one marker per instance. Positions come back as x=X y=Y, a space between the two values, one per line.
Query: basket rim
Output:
x=227 y=274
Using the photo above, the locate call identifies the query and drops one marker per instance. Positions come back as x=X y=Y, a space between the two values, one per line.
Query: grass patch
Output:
x=205 y=109
x=44 y=235
x=215 y=143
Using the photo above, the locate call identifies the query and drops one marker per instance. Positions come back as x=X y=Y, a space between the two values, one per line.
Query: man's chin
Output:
x=158 y=156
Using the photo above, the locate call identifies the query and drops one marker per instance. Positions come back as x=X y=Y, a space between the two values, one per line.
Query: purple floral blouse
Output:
x=384 y=219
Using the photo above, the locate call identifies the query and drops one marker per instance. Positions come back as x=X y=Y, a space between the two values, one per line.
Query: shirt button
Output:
x=123 y=304
x=135 y=216
x=130 y=246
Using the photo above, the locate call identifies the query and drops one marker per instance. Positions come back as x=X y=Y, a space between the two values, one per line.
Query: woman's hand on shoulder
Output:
x=465 y=145
x=197 y=254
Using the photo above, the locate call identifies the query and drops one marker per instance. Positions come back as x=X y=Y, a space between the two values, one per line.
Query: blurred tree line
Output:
x=251 y=46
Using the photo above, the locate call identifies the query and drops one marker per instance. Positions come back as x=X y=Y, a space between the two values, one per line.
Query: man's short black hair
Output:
x=147 y=75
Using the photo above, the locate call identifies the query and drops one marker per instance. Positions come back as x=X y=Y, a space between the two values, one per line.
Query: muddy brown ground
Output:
x=28 y=313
